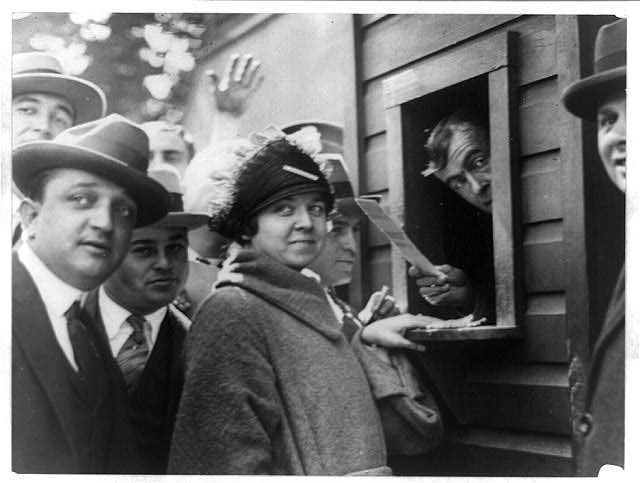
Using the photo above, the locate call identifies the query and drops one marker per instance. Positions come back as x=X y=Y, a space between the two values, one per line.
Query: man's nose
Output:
x=163 y=262
x=102 y=217
x=348 y=241
x=41 y=122
x=476 y=185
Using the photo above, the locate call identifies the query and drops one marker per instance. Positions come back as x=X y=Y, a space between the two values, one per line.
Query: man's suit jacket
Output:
x=153 y=405
x=54 y=428
x=602 y=425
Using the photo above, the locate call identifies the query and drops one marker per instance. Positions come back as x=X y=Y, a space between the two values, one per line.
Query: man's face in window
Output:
x=468 y=170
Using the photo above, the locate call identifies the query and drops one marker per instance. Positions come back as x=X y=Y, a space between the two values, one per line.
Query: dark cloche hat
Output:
x=112 y=147
x=331 y=138
x=583 y=97
x=40 y=72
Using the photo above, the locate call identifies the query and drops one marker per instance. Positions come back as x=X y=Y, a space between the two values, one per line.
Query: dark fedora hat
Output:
x=583 y=97
x=331 y=138
x=177 y=217
x=38 y=72
x=112 y=147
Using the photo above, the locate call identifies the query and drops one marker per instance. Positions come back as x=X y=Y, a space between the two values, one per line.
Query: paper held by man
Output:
x=411 y=254
x=397 y=237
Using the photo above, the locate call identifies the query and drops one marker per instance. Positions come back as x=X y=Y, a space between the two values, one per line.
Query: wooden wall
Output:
x=508 y=402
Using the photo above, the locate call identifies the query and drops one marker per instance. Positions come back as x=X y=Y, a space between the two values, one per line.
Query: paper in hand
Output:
x=397 y=237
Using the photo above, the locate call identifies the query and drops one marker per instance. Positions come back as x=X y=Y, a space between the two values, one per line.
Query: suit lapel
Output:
x=33 y=333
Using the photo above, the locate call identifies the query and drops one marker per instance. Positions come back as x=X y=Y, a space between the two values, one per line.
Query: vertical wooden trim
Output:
x=571 y=145
x=574 y=233
x=395 y=166
x=354 y=152
x=505 y=190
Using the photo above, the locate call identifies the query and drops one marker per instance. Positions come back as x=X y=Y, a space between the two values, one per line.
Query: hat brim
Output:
x=583 y=97
x=88 y=100
x=184 y=219
x=348 y=207
x=152 y=200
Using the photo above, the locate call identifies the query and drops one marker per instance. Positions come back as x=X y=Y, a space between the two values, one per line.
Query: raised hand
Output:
x=240 y=81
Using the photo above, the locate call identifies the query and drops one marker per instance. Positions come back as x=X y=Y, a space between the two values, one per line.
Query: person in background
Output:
x=601 y=98
x=45 y=102
x=458 y=155
x=84 y=194
x=142 y=330
x=207 y=249
x=170 y=143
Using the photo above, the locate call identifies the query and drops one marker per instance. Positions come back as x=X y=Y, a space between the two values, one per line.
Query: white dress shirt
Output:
x=114 y=318
x=57 y=295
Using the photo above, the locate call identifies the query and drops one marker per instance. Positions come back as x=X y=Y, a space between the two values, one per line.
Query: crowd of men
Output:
x=110 y=261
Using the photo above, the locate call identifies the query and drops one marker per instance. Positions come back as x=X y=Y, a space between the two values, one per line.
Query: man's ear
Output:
x=29 y=211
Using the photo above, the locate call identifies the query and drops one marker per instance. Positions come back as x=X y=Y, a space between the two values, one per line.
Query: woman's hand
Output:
x=389 y=332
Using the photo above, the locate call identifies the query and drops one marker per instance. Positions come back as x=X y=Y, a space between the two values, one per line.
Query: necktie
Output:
x=350 y=323
x=84 y=351
x=133 y=355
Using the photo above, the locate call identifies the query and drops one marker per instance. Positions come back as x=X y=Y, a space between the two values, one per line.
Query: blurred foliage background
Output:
x=143 y=61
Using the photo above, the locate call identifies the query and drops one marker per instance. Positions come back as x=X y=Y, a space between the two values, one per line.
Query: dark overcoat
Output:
x=601 y=429
x=55 y=429
x=153 y=404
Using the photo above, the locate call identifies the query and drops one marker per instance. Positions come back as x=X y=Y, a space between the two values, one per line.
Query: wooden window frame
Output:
x=495 y=57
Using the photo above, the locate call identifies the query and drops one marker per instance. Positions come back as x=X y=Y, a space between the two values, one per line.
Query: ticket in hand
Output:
x=397 y=237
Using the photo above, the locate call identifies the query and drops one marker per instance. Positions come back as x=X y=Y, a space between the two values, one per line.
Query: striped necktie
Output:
x=350 y=324
x=133 y=355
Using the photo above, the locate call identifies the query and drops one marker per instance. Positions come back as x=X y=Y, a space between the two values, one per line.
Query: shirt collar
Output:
x=56 y=294
x=114 y=315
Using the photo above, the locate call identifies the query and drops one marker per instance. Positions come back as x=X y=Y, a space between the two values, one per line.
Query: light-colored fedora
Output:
x=169 y=177
x=38 y=72
x=583 y=97
x=112 y=147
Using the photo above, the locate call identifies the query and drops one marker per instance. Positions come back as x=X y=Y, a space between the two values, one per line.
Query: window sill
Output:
x=465 y=333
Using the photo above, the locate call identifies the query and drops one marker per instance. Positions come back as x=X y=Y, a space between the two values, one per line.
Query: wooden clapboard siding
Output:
x=544 y=257
x=530 y=397
x=541 y=186
x=507 y=402
x=375 y=164
x=401 y=39
x=545 y=327
x=539 y=117
x=536 y=49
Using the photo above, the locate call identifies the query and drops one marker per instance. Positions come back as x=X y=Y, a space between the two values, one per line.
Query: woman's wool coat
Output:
x=272 y=385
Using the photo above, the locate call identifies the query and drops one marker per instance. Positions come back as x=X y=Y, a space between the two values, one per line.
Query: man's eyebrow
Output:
x=143 y=241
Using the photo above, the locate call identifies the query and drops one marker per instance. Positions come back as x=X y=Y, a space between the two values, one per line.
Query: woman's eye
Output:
x=317 y=210
x=284 y=209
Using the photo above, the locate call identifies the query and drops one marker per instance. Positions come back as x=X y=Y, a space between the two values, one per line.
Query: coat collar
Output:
x=283 y=287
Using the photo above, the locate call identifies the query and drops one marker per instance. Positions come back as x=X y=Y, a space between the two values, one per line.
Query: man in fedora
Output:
x=601 y=98
x=142 y=330
x=84 y=191
x=45 y=102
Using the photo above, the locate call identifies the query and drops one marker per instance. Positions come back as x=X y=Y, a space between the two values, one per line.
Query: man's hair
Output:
x=439 y=140
x=37 y=185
